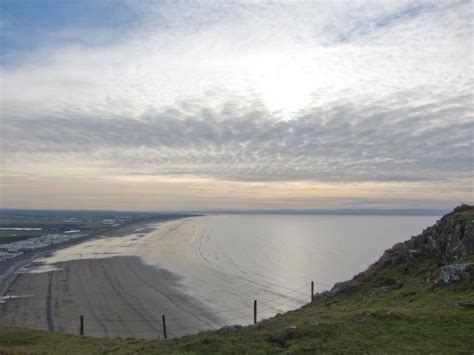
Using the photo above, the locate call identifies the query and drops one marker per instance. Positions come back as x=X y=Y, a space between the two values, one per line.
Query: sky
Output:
x=245 y=105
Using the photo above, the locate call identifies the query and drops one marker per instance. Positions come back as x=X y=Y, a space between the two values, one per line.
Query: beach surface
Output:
x=107 y=282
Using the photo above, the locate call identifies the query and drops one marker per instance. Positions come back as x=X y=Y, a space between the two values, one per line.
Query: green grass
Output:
x=417 y=317
x=396 y=321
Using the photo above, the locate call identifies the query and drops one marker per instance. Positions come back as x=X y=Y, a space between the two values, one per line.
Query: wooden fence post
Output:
x=254 y=311
x=312 y=291
x=81 y=327
x=164 y=325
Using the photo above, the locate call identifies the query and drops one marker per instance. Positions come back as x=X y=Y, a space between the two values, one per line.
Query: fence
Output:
x=167 y=327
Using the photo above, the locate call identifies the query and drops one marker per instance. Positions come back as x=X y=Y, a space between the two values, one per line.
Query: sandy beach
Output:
x=116 y=292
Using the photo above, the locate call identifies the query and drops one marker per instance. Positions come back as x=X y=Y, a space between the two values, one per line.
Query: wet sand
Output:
x=122 y=284
x=118 y=294
x=12 y=265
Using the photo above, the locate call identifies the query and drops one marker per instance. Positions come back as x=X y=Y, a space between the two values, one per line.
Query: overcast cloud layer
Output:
x=247 y=92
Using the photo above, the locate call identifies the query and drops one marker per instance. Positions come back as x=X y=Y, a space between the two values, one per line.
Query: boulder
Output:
x=454 y=272
x=413 y=253
x=230 y=328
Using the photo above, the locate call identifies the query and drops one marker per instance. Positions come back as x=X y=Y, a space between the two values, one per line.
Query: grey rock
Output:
x=453 y=272
x=230 y=328
x=434 y=244
x=464 y=304
x=343 y=287
x=413 y=253
x=395 y=286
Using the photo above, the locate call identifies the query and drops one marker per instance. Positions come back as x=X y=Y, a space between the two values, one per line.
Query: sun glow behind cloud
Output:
x=233 y=96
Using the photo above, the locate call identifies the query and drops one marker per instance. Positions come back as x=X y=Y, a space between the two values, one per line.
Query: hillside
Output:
x=419 y=296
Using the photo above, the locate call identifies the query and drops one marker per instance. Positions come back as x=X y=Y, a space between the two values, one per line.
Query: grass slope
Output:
x=395 y=306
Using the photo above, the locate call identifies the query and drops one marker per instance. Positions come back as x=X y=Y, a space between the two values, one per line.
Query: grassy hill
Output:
x=419 y=296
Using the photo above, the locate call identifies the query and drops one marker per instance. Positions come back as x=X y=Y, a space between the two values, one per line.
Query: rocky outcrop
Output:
x=445 y=244
x=451 y=238
x=454 y=272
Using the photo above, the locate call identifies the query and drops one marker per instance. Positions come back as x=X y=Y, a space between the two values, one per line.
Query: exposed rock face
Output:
x=454 y=272
x=451 y=238
x=446 y=242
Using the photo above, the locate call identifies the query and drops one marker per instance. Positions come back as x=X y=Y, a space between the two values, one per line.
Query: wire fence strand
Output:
x=154 y=326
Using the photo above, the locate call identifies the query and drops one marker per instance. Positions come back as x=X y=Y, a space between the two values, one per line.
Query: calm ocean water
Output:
x=234 y=259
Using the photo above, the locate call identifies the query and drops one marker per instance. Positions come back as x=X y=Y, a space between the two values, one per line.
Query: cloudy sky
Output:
x=168 y=105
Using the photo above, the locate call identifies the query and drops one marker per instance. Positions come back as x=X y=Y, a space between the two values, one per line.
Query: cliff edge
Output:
x=441 y=255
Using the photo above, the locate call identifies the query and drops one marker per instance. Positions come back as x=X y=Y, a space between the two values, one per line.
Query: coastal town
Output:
x=28 y=231
x=13 y=249
x=23 y=234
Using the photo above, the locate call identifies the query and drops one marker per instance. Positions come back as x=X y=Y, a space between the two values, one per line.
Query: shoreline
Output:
x=118 y=295
x=12 y=265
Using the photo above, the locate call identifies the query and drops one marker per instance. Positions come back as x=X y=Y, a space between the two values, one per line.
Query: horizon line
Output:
x=336 y=211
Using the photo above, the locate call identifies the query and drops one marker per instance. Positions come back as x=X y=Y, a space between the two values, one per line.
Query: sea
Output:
x=234 y=260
